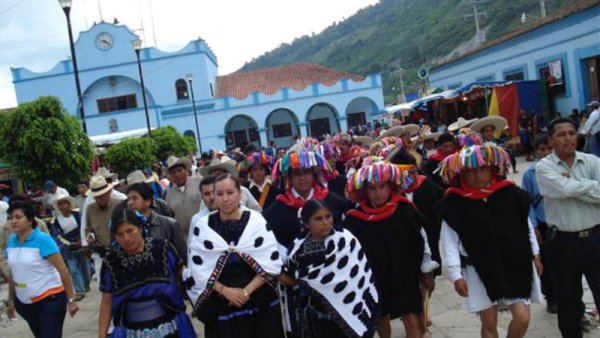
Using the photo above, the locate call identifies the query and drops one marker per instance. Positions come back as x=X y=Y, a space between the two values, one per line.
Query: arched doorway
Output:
x=282 y=127
x=322 y=119
x=241 y=131
x=359 y=110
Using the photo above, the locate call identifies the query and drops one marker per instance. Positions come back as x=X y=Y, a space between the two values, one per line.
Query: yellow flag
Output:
x=494 y=107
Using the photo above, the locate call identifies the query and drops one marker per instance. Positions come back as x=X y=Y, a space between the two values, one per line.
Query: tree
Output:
x=192 y=147
x=130 y=154
x=168 y=141
x=42 y=141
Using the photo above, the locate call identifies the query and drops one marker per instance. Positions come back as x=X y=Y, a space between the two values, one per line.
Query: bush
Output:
x=168 y=141
x=130 y=154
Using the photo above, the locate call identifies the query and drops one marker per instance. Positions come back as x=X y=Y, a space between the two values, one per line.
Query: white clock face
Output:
x=104 y=41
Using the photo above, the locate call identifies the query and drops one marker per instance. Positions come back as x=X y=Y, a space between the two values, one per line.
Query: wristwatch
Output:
x=71 y=300
x=536 y=256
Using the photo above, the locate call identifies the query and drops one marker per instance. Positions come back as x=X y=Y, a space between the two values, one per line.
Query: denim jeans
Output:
x=79 y=266
x=46 y=317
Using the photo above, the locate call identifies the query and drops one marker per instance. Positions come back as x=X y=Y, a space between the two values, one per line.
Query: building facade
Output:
x=274 y=104
x=563 y=49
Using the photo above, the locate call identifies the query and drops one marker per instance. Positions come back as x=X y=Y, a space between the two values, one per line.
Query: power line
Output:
x=11 y=7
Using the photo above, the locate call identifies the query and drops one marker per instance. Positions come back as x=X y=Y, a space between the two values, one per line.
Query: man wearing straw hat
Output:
x=184 y=197
x=66 y=230
x=97 y=219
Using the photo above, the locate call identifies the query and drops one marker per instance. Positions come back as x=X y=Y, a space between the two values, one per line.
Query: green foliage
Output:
x=131 y=154
x=192 y=146
x=413 y=31
x=168 y=141
x=44 y=142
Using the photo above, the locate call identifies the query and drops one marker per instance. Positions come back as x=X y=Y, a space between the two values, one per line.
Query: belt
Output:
x=581 y=234
x=144 y=311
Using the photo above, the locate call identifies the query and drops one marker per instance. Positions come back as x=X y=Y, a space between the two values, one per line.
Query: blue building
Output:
x=257 y=107
x=563 y=49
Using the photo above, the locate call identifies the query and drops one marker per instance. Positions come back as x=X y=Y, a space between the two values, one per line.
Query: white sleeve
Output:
x=427 y=264
x=591 y=122
x=535 y=247
x=88 y=200
x=450 y=245
x=553 y=185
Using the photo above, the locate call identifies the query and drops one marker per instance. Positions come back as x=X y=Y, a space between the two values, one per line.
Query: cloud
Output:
x=236 y=30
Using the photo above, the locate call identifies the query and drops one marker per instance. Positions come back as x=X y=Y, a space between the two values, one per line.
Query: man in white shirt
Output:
x=52 y=190
x=569 y=181
x=592 y=126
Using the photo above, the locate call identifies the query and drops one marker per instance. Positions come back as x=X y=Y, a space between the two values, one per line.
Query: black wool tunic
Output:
x=273 y=192
x=394 y=247
x=285 y=223
x=495 y=234
x=427 y=198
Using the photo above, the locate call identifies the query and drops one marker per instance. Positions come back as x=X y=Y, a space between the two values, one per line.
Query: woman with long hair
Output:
x=338 y=297
x=139 y=284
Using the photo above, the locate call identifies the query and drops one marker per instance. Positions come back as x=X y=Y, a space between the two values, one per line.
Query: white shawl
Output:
x=208 y=254
x=345 y=280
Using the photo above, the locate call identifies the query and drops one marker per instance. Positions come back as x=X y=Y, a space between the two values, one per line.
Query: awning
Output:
x=113 y=138
x=397 y=107
x=446 y=94
x=480 y=84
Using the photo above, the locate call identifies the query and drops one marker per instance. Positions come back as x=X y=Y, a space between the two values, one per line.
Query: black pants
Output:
x=546 y=279
x=571 y=258
x=46 y=317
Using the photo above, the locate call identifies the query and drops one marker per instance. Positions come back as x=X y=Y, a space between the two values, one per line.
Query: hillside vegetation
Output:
x=415 y=32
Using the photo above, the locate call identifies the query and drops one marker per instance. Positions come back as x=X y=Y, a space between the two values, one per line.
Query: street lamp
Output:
x=66 y=6
x=189 y=78
x=137 y=46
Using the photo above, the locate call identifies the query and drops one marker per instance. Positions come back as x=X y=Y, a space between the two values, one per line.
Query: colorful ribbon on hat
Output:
x=301 y=159
x=375 y=170
x=472 y=157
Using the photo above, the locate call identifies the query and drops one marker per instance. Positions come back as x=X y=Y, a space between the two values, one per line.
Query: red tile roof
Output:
x=270 y=80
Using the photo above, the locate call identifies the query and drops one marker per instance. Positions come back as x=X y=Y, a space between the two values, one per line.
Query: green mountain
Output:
x=415 y=32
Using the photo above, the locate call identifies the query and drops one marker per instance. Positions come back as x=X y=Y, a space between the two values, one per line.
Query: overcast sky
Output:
x=33 y=33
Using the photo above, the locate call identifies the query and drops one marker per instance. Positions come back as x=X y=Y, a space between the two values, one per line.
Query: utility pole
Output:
x=543 y=8
x=397 y=70
x=479 y=35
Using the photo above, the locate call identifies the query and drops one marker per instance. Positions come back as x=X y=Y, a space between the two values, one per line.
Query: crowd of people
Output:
x=331 y=238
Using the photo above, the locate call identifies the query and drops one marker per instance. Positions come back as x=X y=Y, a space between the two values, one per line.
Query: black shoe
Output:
x=551 y=307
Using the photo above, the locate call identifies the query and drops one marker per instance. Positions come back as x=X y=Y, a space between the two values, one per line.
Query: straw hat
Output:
x=102 y=171
x=364 y=140
x=173 y=162
x=498 y=122
x=412 y=129
x=224 y=163
x=461 y=123
x=395 y=131
x=61 y=198
x=136 y=177
x=427 y=136
x=98 y=186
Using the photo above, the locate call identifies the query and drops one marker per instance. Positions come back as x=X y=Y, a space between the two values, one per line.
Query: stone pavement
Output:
x=449 y=319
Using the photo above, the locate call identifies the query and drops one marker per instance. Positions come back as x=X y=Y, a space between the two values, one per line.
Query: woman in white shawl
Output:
x=232 y=262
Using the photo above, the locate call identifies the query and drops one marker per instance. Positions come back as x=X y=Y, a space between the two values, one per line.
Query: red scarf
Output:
x=416 y=184
x=438 y=156
x=290 y=200
x=343 y=158
x=478 y=194
x=371 y=214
